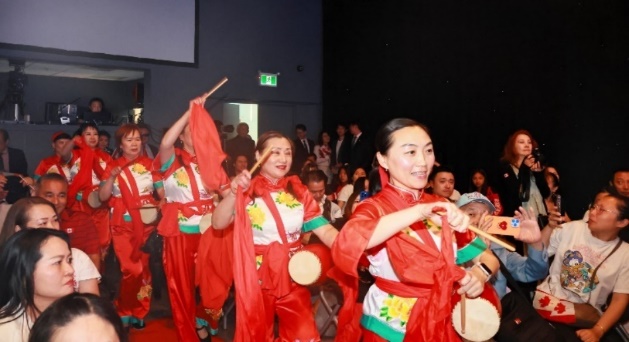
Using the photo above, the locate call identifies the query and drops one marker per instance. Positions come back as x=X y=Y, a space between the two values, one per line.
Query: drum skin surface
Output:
x=309 y=265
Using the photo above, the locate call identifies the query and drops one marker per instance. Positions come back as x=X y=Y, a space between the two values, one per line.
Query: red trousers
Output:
x=180 y=253
x=135 y=286
x=100 y=218
x=296 y=320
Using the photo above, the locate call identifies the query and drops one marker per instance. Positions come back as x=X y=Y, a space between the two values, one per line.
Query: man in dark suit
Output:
x=303 y=147
x=361 y=152
x=241 y=145
x=341 y=148
x=14 y=161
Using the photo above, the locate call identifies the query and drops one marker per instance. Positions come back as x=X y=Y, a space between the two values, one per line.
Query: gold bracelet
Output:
x=601 y=327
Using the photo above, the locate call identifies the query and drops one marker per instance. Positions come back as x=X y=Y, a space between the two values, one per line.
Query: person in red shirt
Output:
x=56 y=163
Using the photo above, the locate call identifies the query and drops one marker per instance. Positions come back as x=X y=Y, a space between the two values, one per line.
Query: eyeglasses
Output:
x=598 y=208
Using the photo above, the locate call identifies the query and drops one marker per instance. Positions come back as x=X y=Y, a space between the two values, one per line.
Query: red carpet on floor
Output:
x=162 y=330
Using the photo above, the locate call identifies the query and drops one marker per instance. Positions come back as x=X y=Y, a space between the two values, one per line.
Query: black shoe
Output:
x=208 y=338
x=138 y=325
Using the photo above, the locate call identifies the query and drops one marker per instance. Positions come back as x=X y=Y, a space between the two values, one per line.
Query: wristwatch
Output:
x=485 y=269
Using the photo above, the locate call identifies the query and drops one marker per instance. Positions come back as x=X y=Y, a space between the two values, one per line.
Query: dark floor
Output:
x=160 y=305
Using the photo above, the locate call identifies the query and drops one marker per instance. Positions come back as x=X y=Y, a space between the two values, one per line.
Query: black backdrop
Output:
x=476 y=71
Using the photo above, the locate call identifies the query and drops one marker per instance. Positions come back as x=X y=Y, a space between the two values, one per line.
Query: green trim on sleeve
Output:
x=158 y=184
x=471 y=251
x=314 y=223
x=167 y=164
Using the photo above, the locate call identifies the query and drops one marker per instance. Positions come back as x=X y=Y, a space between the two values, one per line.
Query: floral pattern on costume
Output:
x=182 y=178
x=395 y=307
x=257 y=216
x=287 y=199
x=139 y=168
x=145 y=292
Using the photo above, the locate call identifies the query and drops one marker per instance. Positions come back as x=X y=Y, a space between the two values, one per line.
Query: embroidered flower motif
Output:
x=431 y=225
x=258 y=261
x=256 y=215
x=139 y=168
x=287 y=199
x=395 y=307
x=145 y=292
x=181 y=217
x=182 y=178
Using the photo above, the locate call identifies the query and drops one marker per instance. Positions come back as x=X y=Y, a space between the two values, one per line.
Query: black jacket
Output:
x=514 y=190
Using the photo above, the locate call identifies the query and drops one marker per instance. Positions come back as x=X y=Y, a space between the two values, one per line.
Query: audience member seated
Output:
x=479 y=183
x=36 y=212
x=620 y=184
x=590 y=264
x=103 y=141
x=323 y=153
x=348 y=189
x=441 y=183
x=240 y=164
x=523 y=269
x=79 y=317
x=59 y=162
x=36 y=269
x=360 y=191
x=316 y=181
x=77 y=224
x=340 y=181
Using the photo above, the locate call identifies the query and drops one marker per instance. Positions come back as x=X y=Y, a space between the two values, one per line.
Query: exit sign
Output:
x=268 y=80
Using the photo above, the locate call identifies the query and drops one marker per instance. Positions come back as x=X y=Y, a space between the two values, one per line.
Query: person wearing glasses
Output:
x=148 y=150
x=582 y=247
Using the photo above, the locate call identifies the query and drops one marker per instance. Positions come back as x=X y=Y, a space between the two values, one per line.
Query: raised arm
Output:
x=167 y=146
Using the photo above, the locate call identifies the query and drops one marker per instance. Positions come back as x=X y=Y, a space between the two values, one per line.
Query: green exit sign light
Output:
x=268 y=80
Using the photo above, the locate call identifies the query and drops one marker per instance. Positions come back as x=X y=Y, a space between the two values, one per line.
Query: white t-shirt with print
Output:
x=577 y=254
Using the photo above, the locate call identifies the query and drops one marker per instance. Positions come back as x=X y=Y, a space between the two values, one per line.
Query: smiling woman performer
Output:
x=270 y=218
x=87 y=164
x=36 y=269
x=414 y=266
x=130 y=184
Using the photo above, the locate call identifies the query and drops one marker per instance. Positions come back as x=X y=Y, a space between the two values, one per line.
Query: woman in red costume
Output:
x=128 y=185
x=87 y=167
x=190 y=255
x=269 y=218
x=414 y=266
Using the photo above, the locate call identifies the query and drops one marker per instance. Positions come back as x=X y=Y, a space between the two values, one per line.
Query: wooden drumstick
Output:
x=8 y=174
x=262 y=158
x=486 y=235
x=218 y=85
x=463 y=313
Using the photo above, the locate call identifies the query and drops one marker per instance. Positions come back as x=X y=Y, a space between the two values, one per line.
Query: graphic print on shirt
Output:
x=576 y=272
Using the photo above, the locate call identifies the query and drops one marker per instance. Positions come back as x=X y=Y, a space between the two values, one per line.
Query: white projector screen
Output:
x=161 y=30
